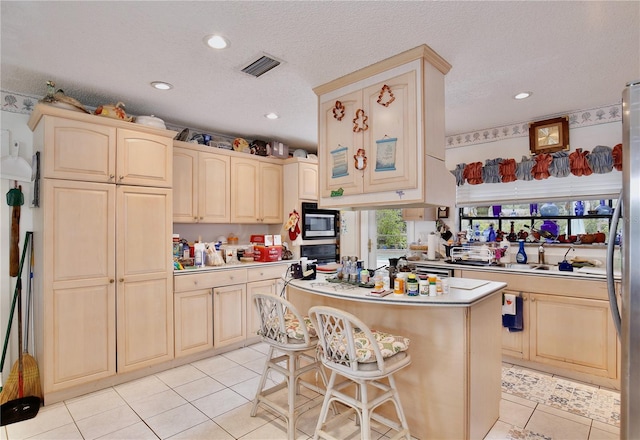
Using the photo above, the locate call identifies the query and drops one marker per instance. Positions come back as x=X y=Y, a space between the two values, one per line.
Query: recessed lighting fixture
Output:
x=523 y=95
x=216 y=41
x=271 y=116
x=161 y=85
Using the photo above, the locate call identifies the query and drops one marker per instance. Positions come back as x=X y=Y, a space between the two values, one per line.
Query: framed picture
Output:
x=549 y=135
x=443 y=212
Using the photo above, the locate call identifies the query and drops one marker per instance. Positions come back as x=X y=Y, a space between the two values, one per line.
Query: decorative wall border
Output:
x=581 y=118
x=20 y=103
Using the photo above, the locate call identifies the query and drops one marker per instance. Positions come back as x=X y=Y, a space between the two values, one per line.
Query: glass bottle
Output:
x=579 y=208
x=512 y=237
x=521 y=256
x=603 y=209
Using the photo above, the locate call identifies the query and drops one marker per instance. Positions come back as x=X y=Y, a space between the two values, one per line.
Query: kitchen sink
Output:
x=528 y=266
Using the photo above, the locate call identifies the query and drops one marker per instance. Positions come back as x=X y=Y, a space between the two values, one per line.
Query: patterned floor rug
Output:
x=525 y=434
x=581 y=399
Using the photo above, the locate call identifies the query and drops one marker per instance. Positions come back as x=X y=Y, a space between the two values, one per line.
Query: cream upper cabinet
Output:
x=201 y=187
x=256 y=191
x=308 y=181
x=98 y=149
x=144 y=277
x=381 y=134
x=78 y=313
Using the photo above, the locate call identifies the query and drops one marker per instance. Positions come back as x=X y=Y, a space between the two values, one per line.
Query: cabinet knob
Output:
x=121 y=280
x=111 y=281
x=195 y=282
x=201 y=218
x=532 y=299
x=195 y=218
x=111 y=176
x=524 y=298
x=121 y=177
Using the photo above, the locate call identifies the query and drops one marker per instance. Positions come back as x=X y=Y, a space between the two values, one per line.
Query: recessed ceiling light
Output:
x=271 y=116
x=216 y=41
x=161 y=85
x=523 y=95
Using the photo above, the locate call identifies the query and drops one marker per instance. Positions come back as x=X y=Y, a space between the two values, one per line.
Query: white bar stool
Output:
x=286 y=331
x=363 y=357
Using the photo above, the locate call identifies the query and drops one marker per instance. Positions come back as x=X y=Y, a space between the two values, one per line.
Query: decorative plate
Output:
x=240 y=144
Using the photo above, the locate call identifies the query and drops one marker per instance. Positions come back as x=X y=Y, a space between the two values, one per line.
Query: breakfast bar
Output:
x=452 y=388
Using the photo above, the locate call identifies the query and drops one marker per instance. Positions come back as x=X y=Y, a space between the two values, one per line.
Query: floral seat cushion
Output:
x=295 y=329
x=389 y=345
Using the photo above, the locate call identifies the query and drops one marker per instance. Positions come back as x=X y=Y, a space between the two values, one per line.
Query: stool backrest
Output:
x=336 y=335
x=273 y=324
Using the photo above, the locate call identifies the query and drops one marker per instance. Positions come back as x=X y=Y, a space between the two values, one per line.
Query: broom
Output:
x=30 y=374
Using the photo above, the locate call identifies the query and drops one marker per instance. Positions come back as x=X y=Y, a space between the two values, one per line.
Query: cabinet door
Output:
x=79 y=150
x=245 y=178
x=573 y=333
x=214 y=201
x=308 y=181
x=270 y=195
x=419 y=214
x=185 y=185
x=266 y=287
x=338 y=144
x=391 y=165
x=144 y=159
x=193 y=314
x=516 y=344
x=79 y=290
x=229 y=315
x=144 y=277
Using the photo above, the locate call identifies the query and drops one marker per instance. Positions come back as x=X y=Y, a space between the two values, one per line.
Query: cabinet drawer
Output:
x=209 y=279
x=266 y=272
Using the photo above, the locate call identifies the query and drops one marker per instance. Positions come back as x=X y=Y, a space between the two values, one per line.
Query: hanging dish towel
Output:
x=508 y=304
x=513 y=322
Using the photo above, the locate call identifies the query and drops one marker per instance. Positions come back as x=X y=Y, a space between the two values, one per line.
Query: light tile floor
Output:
x=211 y=399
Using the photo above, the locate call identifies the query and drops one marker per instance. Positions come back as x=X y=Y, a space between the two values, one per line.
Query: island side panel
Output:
x=485 y=364
x=434 y=388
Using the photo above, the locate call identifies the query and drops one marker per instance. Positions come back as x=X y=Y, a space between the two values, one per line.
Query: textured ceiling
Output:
x=571 y=55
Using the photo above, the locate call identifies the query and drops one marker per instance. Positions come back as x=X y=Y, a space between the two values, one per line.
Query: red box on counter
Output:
x=267 y=253
x=265 y=240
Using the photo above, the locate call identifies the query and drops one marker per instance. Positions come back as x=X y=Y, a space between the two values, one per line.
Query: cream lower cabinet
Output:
x=567 y=327
x=229 y=315
x=573 y=333
x=193 y=315
x=265 y=280
x=81 y=287
x=201 y=192
x=256 y=191
x=516 y=344
x=144 y=277
x=75 y=302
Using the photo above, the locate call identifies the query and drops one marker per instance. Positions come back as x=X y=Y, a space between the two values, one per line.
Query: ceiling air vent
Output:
x=261 y=66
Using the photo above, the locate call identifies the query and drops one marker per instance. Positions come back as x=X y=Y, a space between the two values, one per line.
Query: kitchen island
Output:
x=452 y=388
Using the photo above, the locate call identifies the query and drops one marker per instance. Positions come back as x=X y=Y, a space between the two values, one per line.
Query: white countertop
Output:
x=192 y=269
x=593 y=273
x=463 y=292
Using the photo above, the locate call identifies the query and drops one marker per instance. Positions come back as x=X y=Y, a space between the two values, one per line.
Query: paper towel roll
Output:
x=432 y=243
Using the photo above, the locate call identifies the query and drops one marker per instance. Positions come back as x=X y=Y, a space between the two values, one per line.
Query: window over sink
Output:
x=565 y=219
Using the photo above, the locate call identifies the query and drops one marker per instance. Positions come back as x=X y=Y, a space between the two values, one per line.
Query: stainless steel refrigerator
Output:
x=627 y=318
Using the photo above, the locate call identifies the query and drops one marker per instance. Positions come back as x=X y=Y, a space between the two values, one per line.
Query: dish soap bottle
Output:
x=521 y=256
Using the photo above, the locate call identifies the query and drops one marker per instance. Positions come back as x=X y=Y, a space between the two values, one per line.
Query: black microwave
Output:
x=319 y=224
